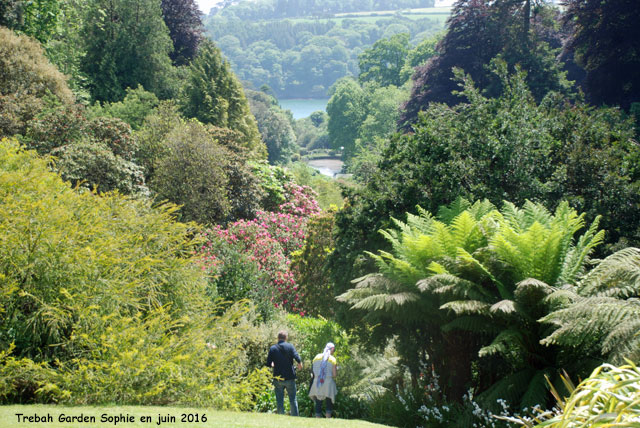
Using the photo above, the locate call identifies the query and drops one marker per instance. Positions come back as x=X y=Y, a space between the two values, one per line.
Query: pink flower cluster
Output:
x=300 y=200
x=269 y=240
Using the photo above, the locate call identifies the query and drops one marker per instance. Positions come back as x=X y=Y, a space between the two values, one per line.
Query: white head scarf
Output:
x=323 y=366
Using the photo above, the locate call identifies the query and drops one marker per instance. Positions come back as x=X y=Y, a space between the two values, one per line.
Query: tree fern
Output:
x=495 y=276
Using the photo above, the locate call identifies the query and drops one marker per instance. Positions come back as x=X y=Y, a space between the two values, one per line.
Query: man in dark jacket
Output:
x=281 y=356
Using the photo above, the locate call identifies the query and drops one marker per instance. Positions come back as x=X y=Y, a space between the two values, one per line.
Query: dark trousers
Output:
x=290 y=386
x=329 y=405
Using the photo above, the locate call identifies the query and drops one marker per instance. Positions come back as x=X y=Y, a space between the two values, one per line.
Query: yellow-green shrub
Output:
x=101 y=301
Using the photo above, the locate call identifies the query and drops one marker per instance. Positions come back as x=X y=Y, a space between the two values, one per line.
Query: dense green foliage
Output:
x=210 y=182
x=454 y=318
x=126 y=44
x=102 y=302
x=27 y=82
x=361 y=119
x=309 y=265
x=37 y=19
x=304 y=58
x=383 y=63
x=275 y=126
x=346 y=110
x=497 y=148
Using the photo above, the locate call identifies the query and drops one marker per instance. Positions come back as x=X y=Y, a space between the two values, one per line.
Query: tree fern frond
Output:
x=422 y=222
x=421 y=250
x=451 y=285
x=383 y=302
x=507 y=307
x=466 y=233
x=477 y=324
x=512 y=216
x=532 y=291
x=574 y=263
x=404 y=228
x=437 y=269
x=446 y=214
x=535 y=213
x=617 y=275
x=373 y=281
x=464 y=256
x=561 y=297
x=510 y=388
x=623 y=342
x=589 y=321
x=480 y=209
x=502 y=342
x=464 y=307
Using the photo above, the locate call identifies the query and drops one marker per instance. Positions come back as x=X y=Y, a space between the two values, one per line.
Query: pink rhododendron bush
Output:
x=252 y=258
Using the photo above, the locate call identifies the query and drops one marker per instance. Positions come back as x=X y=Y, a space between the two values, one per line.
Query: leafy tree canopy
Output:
x=275 y=126
x=383 y=62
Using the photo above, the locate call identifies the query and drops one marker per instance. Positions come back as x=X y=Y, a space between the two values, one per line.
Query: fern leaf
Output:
x=531 y=291
x=472 y=323
x=501 y=343
x=503 y=307
x=446 y=214
x=617 y=275
x=463 y=307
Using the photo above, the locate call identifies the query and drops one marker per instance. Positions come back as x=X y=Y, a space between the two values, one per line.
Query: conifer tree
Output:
x=212 y=94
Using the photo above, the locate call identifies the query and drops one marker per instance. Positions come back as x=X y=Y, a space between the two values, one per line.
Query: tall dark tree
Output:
x=480 y=30
x=606 y=42
x=182 y=17
x=127 y=44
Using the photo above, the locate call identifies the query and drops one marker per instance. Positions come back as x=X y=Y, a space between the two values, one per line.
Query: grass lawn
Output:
x=9 y=418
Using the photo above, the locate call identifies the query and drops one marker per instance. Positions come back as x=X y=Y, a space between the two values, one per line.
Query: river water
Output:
x=303 y=107
x=326 y=166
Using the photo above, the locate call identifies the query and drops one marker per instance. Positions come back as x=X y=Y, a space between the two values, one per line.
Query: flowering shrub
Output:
x=269 y=241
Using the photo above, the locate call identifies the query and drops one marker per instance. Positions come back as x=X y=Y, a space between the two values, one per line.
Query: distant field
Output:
x=424 y=10
x=193 y=418
x=439 y=14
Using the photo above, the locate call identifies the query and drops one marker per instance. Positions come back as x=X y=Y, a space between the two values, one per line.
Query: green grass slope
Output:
x=105 y=417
